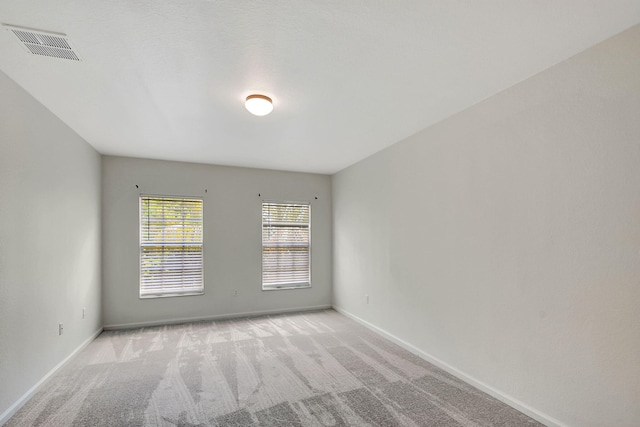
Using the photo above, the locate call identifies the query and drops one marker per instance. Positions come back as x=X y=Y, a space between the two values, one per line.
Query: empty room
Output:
x=320 y=213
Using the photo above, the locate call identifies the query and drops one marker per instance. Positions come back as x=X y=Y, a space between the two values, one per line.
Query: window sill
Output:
x=186 y=294
x=285 y=287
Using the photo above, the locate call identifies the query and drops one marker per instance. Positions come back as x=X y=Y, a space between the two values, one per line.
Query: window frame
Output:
x=287 y=286
x=201 y=291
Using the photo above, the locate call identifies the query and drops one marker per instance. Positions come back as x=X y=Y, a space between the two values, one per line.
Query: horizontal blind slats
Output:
x=171 y=249
x=285 y=244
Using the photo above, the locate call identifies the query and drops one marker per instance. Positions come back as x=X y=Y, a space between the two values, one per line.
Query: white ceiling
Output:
x=167 y=79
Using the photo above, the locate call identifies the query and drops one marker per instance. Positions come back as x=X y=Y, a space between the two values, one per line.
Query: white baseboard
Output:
x=6 y=415
x=213 y=317
x=514 y=403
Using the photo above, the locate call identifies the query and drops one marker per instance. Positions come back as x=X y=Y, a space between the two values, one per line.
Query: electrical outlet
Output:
x=84 y=311
x=235 y=293
x=367 y=298
x=60 y=328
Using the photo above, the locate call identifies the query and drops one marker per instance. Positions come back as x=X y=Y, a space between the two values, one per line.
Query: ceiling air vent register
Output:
x=44 y=43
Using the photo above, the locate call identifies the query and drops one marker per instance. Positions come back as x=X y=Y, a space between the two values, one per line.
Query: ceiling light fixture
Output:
x=258 y=105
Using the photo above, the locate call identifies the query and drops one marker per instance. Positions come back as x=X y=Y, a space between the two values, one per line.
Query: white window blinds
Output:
x=286 y=238
x=170 y=246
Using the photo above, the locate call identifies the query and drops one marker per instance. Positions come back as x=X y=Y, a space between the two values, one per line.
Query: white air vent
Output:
x=45 y=44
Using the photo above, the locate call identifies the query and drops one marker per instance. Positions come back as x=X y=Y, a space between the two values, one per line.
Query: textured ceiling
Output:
x=166 y=80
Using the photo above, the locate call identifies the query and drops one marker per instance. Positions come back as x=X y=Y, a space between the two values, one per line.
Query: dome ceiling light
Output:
x=258 y=105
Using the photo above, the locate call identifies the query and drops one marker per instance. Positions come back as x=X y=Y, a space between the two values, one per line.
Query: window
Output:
x=286 y=239
x=170 y=246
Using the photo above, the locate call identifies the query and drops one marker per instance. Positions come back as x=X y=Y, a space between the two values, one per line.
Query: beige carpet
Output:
x=309 y=369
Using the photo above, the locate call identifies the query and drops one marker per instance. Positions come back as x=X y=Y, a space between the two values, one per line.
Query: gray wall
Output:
x=505 y=241
x=232 y=239
x=49 y=241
